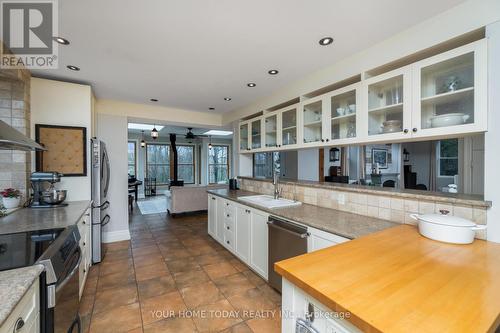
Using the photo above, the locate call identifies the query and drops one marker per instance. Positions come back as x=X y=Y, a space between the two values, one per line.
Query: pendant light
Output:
x=210 y=143
x=154 y=133
x=143 y=143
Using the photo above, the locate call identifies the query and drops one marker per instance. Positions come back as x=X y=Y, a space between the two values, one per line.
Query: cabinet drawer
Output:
x=229 y=209
x=228 y=239
x=27 y=310
x=229 y=224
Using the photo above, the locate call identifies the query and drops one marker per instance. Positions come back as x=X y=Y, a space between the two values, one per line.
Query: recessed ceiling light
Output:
x=251 y=84
x=273 y=71
x=61 y=40
x=217 y=132
x=153 y=100
x=227 y=99
x=325 y=41
x=211 y=108
x=73 y=68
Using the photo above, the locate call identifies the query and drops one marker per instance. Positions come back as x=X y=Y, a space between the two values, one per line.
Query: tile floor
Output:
x=173 y=277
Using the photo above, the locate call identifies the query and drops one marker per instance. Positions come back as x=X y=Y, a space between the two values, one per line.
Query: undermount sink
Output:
x=269 y=201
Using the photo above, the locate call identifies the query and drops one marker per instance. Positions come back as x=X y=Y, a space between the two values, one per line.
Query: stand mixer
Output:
x=46 y=198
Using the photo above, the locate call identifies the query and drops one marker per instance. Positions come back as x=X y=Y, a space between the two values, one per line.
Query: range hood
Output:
x=11 y=139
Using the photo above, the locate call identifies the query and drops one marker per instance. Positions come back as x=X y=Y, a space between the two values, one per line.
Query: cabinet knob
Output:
x=19 y=324
x=84 y=243
x=247 y=211
x=327 y=140
x=227 y=242
x=322 y=140
x=227 y=215
x=213 y=198
x=84 y=222
x=414 y=129
x=405 y=130
x=84 y=270
x=227 y=228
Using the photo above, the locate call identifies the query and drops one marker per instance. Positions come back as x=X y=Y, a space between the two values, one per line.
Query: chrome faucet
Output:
x=276 y=183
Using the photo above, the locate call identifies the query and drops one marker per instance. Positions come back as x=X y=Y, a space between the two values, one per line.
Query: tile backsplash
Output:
x=380 y=206
x=15 y=165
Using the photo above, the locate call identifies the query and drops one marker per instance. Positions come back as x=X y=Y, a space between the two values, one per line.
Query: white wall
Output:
x=308 y=164
x=66 y=104
x=492 y=137
x=113 y=131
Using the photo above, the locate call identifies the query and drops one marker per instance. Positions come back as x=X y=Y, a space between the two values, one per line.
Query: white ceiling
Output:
x=191 y=54
x=180 y=130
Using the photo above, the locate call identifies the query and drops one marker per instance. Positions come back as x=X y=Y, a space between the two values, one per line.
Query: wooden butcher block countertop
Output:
x=396 y=280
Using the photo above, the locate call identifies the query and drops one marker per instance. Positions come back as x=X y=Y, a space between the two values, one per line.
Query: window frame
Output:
x=193 y=147
x=439 y=158
x=228 y=163
x=135 y=156
x=166 y=164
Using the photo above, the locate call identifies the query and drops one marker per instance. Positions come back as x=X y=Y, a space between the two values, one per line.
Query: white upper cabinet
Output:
x=289 y=126
x=343 y=123
x=450 y=92
x=271 y=130
x=387 y=98
x=438 y=97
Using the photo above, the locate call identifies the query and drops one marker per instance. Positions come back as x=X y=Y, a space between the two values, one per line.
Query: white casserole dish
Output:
x=449 y=119
x=445 y=228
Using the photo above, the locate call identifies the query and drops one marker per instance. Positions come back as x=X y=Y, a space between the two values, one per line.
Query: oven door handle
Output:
x=105 y=220
x=60 y=285
x=103 y=206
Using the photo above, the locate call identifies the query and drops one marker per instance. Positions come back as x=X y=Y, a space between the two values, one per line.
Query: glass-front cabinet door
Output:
x=312 y=121
x=289 y=127
x=343 y=111
x=256 y=134
x=450 y=92
x=244 y=146
x=388 y=101
x=271 y=130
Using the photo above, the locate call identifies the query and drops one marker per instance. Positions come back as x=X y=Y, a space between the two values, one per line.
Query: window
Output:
x=185 y=158
x=132 y=158
x=158 y=162
x=218 y=164
x=448 y=157
x=265 y=163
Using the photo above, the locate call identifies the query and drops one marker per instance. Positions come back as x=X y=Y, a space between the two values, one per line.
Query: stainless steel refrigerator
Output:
x=100 y=187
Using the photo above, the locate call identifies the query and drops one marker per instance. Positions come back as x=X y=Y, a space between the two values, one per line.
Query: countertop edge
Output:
x=404 y=195
x=19 y=288
x=313 y=225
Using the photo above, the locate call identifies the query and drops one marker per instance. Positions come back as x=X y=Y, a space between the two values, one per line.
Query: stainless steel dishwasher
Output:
x=286 y=240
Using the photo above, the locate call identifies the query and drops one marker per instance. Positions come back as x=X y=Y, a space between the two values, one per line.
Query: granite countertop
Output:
x=30 y=219
x=13 y=285
x=334 y=221
x=454 y=198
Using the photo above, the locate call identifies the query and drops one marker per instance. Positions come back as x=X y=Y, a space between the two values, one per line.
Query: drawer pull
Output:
x=19 y=324
x=83 y=243
x=213 y=198
x=227 y=228
x=227 y=242
x=247 y=211
x=227 y=215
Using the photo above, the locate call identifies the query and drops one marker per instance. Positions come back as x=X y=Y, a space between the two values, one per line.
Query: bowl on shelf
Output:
x=391 y=126
x=449 y=119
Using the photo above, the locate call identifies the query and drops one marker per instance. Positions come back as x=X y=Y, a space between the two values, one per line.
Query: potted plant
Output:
x=10 y=198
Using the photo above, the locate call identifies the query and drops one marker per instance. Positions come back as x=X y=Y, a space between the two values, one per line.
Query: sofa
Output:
x=189 y=198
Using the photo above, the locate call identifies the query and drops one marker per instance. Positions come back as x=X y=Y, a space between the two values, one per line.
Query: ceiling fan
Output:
x=191 y=136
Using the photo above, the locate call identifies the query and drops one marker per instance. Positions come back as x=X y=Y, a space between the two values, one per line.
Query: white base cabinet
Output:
x=27 y=310
x=241 y=230
x=297 y=306
x=319 y=239
x=84 y=228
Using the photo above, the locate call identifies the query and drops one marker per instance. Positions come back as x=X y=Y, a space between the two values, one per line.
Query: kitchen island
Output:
x=396 y=280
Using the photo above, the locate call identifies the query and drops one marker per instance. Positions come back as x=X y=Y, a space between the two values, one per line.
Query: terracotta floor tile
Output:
x=201 y=294
x=265 y=325
x=119 y=266
x=90 y=286
x=252 y=303
x=117 y=255
x=240 y=267
x=161 y=307
x=183 y=265
x=271 y=294
x=147 y=260
x=213 y=322
x=111 y=298
x=136 y=330
x=175 y=254
x=219 y=270
x=115 y=280
x=208 y=259
x=152 y=249
x=198 y=250
x=254 y=278
x=142 y=243
x=171 y=325
x=156 y=286
x=239 y=328
x=151 y=271
x=86 y=305
x=190 y=278
x=120 y=319
x=233 y=284
x=117 y=246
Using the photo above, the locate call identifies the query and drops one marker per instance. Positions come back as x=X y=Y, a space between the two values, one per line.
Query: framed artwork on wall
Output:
x=66 y=149
x=380 y=156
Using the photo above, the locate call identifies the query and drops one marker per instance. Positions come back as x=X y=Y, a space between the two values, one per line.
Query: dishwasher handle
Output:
x=275 y=226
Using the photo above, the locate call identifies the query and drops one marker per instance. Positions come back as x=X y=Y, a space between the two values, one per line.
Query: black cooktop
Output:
x=24 y=248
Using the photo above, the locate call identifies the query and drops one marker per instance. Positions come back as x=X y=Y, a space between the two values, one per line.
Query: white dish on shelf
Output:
x=449 y=119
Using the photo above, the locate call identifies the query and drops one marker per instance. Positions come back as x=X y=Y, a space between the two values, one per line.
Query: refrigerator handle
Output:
x=104 y=205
